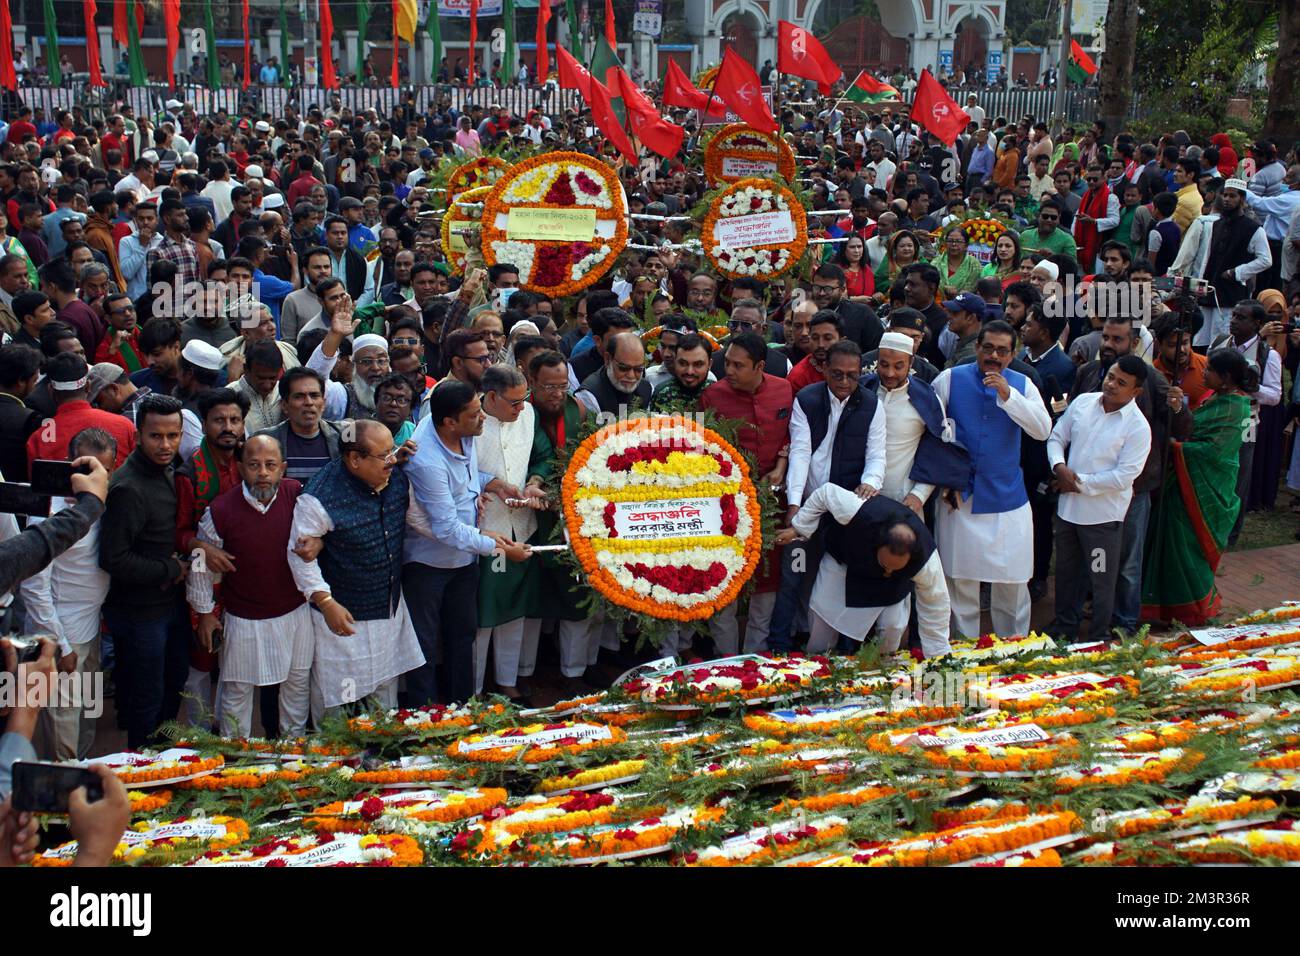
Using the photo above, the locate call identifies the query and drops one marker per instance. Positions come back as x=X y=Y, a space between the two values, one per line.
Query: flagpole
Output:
x=1063 y=70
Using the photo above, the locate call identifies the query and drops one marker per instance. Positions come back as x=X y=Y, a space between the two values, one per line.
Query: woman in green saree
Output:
x=1199 y=501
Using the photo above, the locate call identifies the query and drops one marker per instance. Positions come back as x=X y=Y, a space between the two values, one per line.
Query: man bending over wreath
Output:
x=873 y=554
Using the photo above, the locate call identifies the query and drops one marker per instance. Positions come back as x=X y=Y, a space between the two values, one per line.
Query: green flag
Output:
x=508 y=56
x=285 y=51
x=52 y=44
x=575 y=31
x=434 y=26
x=210 y=31
x=134 y=58
x=604 y=62
x=363 y=21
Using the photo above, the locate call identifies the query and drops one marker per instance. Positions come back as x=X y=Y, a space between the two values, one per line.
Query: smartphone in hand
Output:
x=44 y=787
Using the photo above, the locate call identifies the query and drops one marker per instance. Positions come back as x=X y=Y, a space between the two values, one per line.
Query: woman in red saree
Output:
x=1199 y=501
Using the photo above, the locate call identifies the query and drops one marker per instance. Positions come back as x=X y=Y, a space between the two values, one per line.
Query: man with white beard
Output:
x=620 y=384
x=267 y=625
x=356 y=400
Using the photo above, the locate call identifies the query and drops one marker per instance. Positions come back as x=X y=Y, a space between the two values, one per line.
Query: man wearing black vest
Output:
x=837 y=437
x=1238 y=252
x=873 y=555
x=619 y=385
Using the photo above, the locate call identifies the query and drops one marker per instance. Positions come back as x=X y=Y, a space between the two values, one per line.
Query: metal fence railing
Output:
x=1081 y=104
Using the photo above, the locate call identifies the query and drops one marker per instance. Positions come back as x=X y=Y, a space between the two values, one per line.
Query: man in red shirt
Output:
x=67 y=373
x=825 y=331
x=22 y=129
x=300 y=188
x=763 y=404
x=115 y=138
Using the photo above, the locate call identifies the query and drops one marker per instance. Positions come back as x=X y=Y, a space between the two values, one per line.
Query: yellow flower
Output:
x=679 y=464
x=708 y=489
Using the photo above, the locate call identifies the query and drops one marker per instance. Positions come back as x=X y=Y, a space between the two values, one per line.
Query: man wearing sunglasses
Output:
x=985 y=528
x=748 y=315
x=1097 y=218
x=620 y=385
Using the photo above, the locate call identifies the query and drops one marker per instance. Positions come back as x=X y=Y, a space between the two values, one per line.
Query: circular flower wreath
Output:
x=456 y=216
x=751 y=197
x=659 y=461
x=558 y=180
x=739 y=151
x=480 y=171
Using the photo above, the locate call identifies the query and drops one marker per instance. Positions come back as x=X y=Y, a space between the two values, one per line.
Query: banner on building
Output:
x=648 y=19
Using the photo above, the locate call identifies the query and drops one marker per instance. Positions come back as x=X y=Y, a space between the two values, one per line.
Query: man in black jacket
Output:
x=620 y=384
x=829 y=288
x=145 y=608
x=604 y=324
x=356 y=271
x=20 y=367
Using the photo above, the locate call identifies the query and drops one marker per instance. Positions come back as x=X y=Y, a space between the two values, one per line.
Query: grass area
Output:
x=1268 y=529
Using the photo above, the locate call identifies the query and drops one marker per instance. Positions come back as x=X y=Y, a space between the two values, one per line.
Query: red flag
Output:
x=543 y=50
x=172 y=27
x=248 y=48
x=119 y=22
x=396 y=73
x=573 y=75
x=801 y=54
x=606 y=120
x=738 y=86
x=648 y=125
x=680 y=91
x=473 y=39
x=92 y=45
x=938 y=112
x=8 y=75
x=328 y=79
x=610 y=33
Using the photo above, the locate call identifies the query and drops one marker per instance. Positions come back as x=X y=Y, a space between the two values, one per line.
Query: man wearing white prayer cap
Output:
x=200 y=370
x=912 y=410
x=369 y=366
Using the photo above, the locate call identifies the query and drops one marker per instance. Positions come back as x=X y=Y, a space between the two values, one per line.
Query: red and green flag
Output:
x=867 y=89
x=1081 y=65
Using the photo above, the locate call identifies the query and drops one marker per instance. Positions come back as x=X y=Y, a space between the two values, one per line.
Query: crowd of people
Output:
x=331 y=453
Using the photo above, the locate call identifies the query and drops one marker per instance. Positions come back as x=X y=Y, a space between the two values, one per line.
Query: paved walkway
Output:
x=1262 y=578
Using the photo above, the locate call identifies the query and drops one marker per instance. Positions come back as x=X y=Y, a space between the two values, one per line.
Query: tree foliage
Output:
x=1192 y=66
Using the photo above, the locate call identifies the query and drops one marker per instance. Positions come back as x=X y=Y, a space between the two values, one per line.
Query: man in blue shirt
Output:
x=360 y=236
x=440 y=576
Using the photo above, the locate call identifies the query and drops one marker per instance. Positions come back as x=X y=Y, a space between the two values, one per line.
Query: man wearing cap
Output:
x=360 y=236
x=910 y=323
x=423 y=171
x=110 y=389
x=68 y=376
x=965 y=317
x=200 y=370
x=369 y=363
x=985 y=528
x=917 y=458
x=1239 y=251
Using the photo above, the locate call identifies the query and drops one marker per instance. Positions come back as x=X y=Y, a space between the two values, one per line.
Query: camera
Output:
x=26 y=649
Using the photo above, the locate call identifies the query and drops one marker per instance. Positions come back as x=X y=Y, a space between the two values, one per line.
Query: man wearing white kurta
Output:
x=63 y=601
x=985 y=531
x=875 y=551
x=364 y=636
x=504 y=449
x=267 y=628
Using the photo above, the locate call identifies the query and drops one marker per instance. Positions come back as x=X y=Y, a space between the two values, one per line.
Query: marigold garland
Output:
x=767 y=844
x=188 y=764
x=374 y=849
x=578 y=779
x=963 y=757
x=713 y=683
x=1125 y=769
x=1081 y=690
x=426 y=806
x=745 y=145
x=147 y=801
x=418 y=720
x=256 y=776
x=1275 y=842
x=143 y=841
x=458 y=214
x=820 y=721
x=476 y=173
x=766 y=262
x=960 y=844
x=585 y=544
x=557 y=180
x=652 y=834
x=505 y=751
